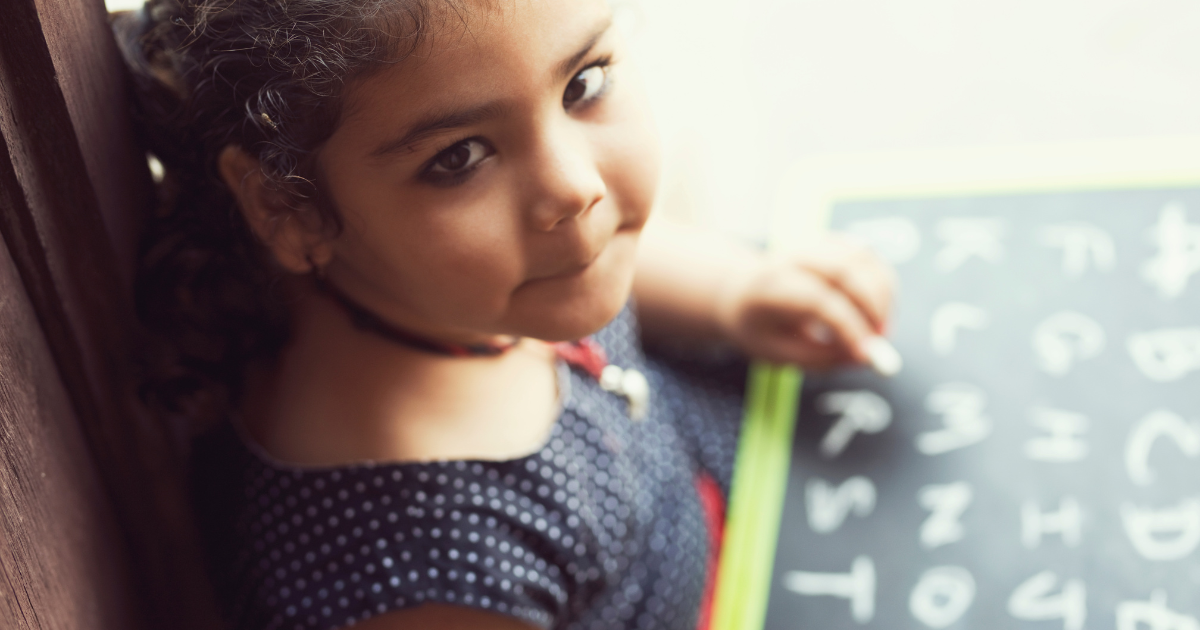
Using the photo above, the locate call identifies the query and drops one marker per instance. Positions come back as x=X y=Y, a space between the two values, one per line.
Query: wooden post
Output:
x=96 y=530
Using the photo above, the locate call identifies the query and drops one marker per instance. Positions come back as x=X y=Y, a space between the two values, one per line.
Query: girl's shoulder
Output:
x=551 y=537
x=340 y=544
x=348 y=542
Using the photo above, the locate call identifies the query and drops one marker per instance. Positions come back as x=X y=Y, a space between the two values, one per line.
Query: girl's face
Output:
x=496 y=181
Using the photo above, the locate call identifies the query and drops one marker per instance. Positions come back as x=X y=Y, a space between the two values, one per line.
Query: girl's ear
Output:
x=294 y=233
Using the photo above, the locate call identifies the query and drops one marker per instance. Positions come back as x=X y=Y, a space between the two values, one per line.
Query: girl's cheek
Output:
x=642 y=184
x=635 y=161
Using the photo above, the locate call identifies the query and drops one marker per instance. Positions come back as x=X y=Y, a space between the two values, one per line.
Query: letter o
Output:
x=941 y=596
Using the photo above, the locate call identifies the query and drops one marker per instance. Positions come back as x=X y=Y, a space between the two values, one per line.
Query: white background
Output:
x=742 y=88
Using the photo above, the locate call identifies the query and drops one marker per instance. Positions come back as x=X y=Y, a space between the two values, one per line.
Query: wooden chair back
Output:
x=95 y=528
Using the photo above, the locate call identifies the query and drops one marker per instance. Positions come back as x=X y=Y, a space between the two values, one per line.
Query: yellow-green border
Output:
x=804 y=200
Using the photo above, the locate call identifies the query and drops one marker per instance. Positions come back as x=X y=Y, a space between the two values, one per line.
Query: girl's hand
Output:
x=815 y=309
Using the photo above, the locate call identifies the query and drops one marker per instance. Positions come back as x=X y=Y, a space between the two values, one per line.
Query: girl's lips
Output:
x=571 y=272
x=614 y=246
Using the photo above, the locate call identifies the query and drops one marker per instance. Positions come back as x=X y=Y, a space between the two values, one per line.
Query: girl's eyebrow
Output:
x=441 y=121
x=437 y=122
x=567 y=67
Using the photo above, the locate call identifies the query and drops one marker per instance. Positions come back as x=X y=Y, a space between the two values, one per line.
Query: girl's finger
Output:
x=815 y=299
x=862 y=277
x=871 y=287
x=818 y=332
x=796 y=349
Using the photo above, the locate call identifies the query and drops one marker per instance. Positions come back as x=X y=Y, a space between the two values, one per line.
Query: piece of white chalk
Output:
x=884 y=357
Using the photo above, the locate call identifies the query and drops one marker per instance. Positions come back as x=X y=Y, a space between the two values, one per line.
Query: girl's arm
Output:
x=815 y=309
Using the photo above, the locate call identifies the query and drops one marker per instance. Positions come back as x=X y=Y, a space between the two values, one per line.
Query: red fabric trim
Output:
x=585 y=353
x=590 y=357
x=714 y=516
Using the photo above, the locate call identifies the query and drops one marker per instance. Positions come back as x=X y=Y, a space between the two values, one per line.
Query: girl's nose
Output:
x=567 y=179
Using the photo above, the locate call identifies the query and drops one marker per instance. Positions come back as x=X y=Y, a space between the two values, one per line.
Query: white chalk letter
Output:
x=1064 y=339
x=1166 y=355
x=1032 y=601
x=859 y=411
x=1153 y=615
x=1067 y=521
x=894 y=239
x=1163 y=535
x=946 y=504
x=828 y=507
x=961 y=407
x=951 y=317
x=1063 y=444
x=941 y=596
x=969 y=238
x=1083 y=244
x=858 y=586
x=1159 y=423
x=1178 y=244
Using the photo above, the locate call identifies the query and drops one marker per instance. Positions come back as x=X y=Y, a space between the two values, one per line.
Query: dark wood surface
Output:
x=63 y=559
x=72 y=192
x=89 y=71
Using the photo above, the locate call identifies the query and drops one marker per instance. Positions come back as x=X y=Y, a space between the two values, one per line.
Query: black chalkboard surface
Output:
x=1036 y=464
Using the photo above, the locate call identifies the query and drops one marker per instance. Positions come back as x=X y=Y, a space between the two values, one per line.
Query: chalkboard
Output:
x=1036 y=464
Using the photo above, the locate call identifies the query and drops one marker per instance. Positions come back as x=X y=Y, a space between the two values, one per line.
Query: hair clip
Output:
x=267 y=121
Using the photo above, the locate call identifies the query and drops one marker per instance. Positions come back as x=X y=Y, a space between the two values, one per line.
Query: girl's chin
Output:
x=571 y=306
x=577 y=311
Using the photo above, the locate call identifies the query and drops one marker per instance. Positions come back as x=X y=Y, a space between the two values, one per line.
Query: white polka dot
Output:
x=605 y=488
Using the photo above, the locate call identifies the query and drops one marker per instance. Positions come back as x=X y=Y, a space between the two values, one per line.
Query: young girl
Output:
x=396 y=255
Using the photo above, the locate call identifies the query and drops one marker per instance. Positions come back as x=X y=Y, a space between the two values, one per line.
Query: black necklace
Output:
x=365 y=319
x=584 y=353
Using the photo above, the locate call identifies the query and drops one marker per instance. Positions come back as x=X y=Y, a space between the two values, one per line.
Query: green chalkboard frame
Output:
x=805 y=198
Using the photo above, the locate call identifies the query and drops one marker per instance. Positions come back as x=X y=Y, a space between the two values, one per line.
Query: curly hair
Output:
x=266 y=76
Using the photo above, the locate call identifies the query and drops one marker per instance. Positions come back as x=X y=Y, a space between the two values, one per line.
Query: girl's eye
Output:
x=459 y=158
x=585 y=86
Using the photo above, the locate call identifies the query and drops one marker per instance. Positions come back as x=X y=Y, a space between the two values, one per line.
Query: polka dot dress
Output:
x=601 y=528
